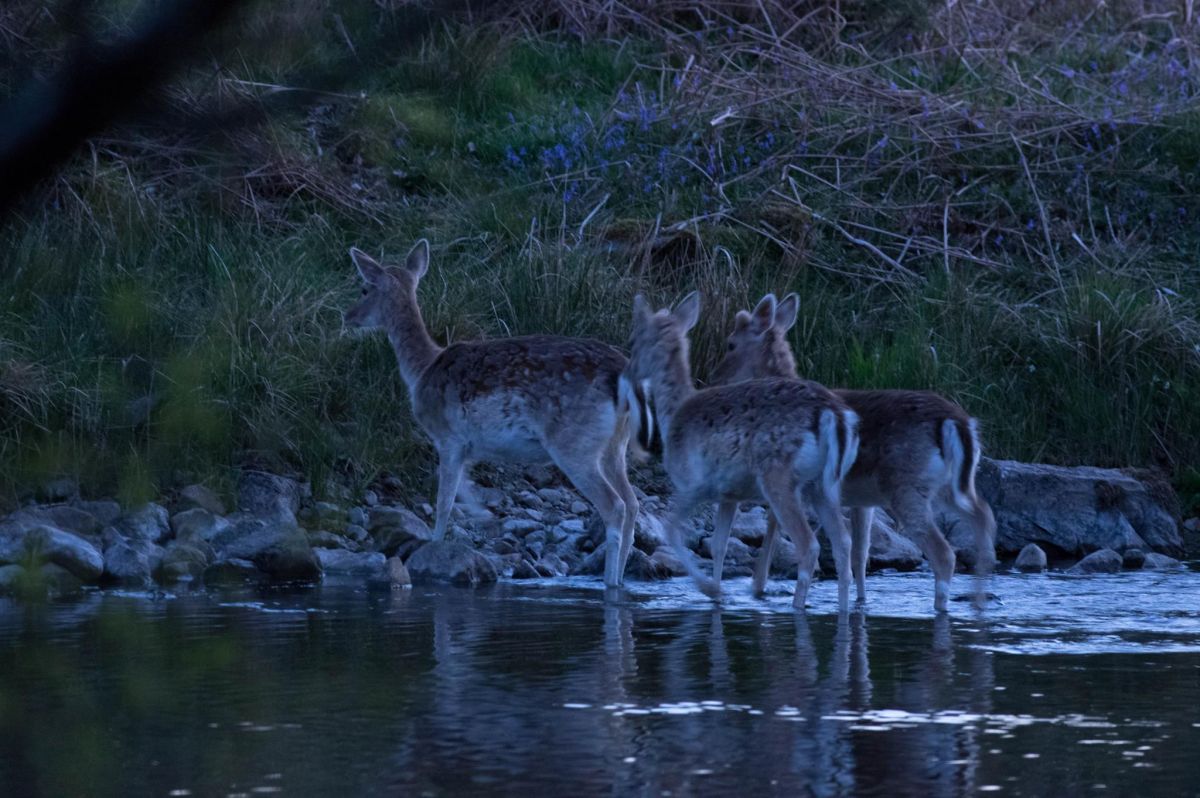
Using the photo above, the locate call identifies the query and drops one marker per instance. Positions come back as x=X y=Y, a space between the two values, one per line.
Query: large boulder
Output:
x=198 y=524
x=181 y=561
x=393 y=527
x=149 y=522
x=1104 y=561
x=1160 y=562
x=1074 y=511
x=70 y=552
x=277 y=547
x=639 y=566
x=66 y=517
x=131 y=562
x=450 y=561
x=270 y=495
x=200 y=496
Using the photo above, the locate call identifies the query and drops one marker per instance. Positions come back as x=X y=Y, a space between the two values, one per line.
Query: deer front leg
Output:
x=720 y=539
x=762 y=565
x=450 y=470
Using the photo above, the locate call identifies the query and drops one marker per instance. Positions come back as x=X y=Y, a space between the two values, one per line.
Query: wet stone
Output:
x=1104 y=561
x=1031 y=560
x=1132 y=559
x=1160 y=562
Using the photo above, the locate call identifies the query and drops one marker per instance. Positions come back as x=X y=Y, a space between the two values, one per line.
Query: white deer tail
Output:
x=960 y=451
x=838 y=432
x=633 y=406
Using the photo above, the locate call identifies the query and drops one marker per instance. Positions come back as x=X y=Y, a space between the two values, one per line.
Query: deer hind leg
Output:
x=982 y=523
x=615 y=471
x=780 y=488
x=913 y=514
x=588 y=479
x=762 y=564
x=450 y=471
x=861 y=520
x=683 y=507
x=720 y=539
x=830 y=515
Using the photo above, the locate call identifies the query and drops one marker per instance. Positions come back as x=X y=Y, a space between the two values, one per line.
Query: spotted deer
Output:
x=532 y=399
x=762 y=440
x=917 y=452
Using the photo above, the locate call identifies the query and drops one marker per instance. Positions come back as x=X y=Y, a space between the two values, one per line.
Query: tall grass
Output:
x=964 y=201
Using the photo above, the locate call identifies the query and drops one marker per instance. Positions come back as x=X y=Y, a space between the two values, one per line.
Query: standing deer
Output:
x=533 y=399
x=917 y=451
x=765 y=439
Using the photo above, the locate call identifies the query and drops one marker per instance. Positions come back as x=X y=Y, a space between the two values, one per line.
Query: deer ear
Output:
x=417 y=261
x=786 y=312
x=641 y=308
x=741 y=321
x=368 y=268
x=687 y=312
x=764 y=314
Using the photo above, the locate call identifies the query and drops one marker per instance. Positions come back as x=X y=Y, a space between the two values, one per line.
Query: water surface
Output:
x=1067 y=685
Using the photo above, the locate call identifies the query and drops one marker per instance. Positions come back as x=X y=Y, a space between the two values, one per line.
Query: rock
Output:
x=105 y=511
x=356 y=533
x=131 y=562
x=530 y=499
x=555 y=496
x=450 y=561
x=890 y=549
x=665 y=561
x=648 y=533
x=571 y=526
x=1160 y=562
x=232 y=572
x=1075 y=510
x=736 y=552
x=66 y=517
x=1031 y=560
x=638 y=567
x=1104 y=561
x=357 y=516
x=1133 y=559
x=371 y=498
x=520 y=527
x=551 y=565
x=363 y=564
x=198 y=524
x=70 y=552
x=578 y=507
x=323 y=539
x=269 y=495
x=524 y=570
x=202 y=497
x=750 y=526
x=181 y=561
x=148 y=522
x=59 y=580
x=275 y=546
x=393 y=577
x=392 y=527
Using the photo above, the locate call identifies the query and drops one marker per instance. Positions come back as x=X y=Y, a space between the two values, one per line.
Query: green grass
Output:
x=162 y=325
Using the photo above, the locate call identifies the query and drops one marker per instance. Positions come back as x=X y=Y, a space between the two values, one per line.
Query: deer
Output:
x=918 y=452
x=770 y=440
x=537 y=399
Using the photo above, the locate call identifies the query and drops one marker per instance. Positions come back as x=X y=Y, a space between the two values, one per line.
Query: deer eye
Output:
x=732 y=346
x=364 y=291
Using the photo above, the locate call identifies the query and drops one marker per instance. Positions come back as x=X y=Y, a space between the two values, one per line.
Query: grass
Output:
x=966 y=201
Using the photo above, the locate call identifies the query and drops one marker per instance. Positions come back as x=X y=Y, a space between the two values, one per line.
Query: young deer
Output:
x=917 y=451
x=533 y=399
x=760 y=440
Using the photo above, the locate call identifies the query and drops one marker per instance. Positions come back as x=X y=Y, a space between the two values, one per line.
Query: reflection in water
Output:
x=553 y=689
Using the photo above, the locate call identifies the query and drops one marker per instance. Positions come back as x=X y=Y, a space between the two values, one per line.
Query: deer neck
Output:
x=671 y=387
x=411 y=342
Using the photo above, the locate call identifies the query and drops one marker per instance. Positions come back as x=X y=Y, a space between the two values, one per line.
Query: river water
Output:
x=1064 y=686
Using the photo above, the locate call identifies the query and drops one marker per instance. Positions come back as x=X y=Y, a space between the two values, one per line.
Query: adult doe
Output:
x=767 y=439
x=531 y=399
x=917 y=452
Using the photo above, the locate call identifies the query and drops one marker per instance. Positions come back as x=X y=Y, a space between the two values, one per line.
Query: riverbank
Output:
x=535 y=526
